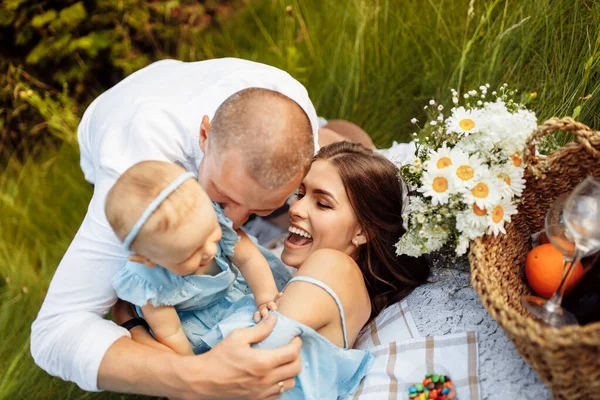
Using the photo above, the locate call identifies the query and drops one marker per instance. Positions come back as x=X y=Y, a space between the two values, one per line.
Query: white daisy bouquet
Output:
x=468 y=173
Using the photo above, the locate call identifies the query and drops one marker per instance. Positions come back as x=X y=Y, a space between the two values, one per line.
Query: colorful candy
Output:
x=433 y=387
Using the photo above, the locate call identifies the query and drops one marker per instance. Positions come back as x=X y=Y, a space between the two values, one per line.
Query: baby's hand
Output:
x=263 y=309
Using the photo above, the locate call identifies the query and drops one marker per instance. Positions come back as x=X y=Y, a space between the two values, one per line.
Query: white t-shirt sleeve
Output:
x=153 y=134
x=70 y=336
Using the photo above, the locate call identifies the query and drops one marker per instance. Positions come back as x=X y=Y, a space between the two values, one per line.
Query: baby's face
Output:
x=190 y=245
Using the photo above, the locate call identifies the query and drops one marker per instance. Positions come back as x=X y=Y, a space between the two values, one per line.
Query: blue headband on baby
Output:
x=166 y=192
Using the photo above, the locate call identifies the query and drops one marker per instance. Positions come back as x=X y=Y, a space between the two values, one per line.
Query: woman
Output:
x=344 y=223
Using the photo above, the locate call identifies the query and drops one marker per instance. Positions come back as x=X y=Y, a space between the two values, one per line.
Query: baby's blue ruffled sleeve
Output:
x=230 y=237
x=141 y=285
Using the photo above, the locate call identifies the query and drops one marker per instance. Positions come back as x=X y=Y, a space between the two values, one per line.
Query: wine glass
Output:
x=573 y=227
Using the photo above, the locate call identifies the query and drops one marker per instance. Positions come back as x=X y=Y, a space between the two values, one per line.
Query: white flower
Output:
x=440 y=159
x=466 y=169
x=499 y=214
x=462 y=246
x=517 y=159
x=512 y=178
x=416 y=205
x=433 y=123
x=472 y=222
x=431 y=102
x=483 y=191
x=464 y=122
x=455 y=100
x=440 y=107
x=414 y=121
x=437 y=184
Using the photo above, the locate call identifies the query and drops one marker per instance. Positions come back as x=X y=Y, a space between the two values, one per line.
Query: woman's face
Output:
x=321 y=216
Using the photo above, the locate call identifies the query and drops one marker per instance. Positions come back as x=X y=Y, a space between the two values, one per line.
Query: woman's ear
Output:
x=204 y=132
x=136 y=258
x=360 y=237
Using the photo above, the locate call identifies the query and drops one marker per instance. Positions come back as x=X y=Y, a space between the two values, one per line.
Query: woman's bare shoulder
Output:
x=325 y=264
x=340 y=272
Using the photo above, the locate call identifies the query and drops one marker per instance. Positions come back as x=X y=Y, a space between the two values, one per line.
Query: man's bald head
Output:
x=269 y=133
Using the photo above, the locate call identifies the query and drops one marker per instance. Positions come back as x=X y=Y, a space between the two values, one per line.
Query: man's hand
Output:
x=232 y=369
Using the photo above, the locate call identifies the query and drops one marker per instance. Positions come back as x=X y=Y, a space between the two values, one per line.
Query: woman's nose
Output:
x=298 y=209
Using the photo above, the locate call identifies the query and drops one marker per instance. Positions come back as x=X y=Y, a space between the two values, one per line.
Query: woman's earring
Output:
x=355 y=242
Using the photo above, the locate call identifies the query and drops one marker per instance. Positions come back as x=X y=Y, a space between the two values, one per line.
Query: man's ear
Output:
x=136 y=258
x=204 y=132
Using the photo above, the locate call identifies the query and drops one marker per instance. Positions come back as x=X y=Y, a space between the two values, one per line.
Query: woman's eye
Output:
x=299 y=195
x=321 y=205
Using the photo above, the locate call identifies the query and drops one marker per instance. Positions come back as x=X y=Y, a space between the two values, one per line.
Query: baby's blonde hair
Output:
x=137 y=187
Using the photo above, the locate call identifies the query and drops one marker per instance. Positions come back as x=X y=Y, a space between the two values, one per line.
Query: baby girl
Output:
x=184 y=253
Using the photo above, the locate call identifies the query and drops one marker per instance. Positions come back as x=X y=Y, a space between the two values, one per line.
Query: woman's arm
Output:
x=313 y=306
x=165 y=324
x=256 y=271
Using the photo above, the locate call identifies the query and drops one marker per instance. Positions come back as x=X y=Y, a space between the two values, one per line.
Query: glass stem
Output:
x=557 y=297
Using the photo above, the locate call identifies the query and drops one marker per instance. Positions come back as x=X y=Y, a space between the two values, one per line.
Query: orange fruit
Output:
x=544 y=269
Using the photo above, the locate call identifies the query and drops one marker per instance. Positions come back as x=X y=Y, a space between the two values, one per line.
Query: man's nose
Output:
x=237 y=214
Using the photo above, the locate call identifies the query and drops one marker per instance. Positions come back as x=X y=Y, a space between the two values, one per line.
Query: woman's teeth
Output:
x=300 y=232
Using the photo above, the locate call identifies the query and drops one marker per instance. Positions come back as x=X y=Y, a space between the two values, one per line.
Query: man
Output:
x=249 y=131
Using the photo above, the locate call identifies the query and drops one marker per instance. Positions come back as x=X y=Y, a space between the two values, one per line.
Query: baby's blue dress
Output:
x=200 y=300
x=328 y=371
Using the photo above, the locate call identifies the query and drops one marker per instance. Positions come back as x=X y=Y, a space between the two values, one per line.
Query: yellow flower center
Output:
x=479 y=211
x=481 y=190
x=497 y=214
x=466 y=124
x=465 y=172
x=440 y=184
x=516 y=160
x=444 y=162
x=507 y=180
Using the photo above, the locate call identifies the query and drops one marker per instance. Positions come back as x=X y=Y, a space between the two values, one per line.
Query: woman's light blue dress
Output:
x=200 y=300
x=328 y=371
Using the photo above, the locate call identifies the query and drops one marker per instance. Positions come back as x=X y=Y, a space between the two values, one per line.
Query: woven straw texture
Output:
x=567 y=359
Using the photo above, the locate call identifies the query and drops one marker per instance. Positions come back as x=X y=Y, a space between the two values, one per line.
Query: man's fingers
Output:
x=274 y=391
x=272 y=306
x=287 y=372
x=255 y=333
x=282 y=355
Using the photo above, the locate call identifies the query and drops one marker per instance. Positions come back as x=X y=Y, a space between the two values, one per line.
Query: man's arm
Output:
x=70 y=338
x=230 y=370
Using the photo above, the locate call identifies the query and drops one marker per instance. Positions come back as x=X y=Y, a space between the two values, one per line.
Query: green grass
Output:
x=374 y=62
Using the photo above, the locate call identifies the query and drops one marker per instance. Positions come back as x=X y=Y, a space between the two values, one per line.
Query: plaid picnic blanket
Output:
x=402 y=357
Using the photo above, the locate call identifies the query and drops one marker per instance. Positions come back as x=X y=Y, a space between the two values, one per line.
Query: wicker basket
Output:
x=567 y=359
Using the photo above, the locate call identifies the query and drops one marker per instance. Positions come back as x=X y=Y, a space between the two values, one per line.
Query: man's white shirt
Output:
x=154 y=114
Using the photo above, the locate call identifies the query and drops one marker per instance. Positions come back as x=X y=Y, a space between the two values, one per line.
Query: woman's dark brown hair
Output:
x=376 y=195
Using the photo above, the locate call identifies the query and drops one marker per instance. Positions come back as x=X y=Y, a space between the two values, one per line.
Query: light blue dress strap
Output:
x=329 y=290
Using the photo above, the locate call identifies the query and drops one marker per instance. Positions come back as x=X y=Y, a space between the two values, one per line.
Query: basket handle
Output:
x=582 y=133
